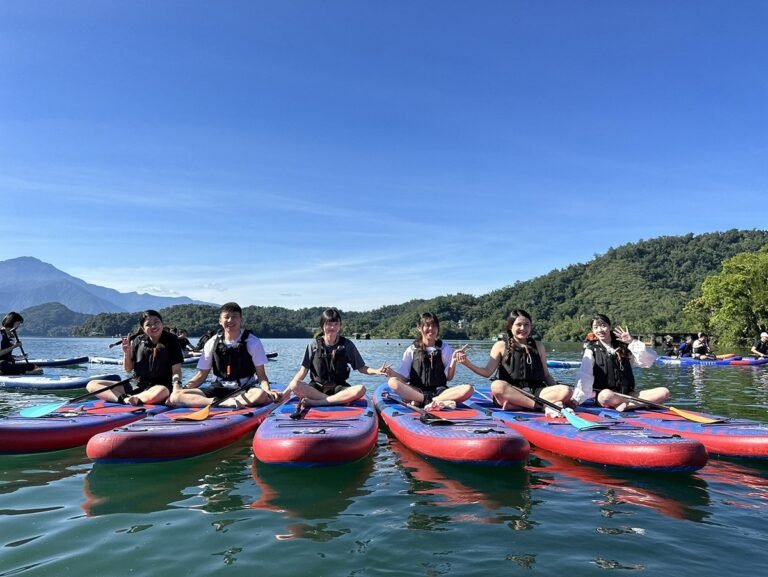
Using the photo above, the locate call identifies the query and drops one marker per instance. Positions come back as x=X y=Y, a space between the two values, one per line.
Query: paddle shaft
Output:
x=99 y=391
x=422 y=412
x=21 y=348
x=130 y=338
x=644 y=402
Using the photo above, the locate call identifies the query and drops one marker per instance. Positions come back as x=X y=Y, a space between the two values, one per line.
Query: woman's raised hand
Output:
x=623 y=334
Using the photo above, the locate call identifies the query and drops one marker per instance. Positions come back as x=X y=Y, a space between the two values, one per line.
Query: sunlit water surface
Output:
x=393 y=513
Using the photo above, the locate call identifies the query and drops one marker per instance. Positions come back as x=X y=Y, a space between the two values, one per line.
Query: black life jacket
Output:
x=522 y=365
x=427 y=368
x=6 y=340
x=232 y=363
x=612 y=371
x=330 y=366
x=151 y=362
x=702 y=348
x=762 y=346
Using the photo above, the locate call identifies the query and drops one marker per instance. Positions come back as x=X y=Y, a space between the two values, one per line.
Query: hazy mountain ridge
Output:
x=27 y=281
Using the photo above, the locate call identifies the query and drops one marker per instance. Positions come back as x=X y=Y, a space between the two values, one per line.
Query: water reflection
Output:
x=319 y=494
x=677 y=496
x=501 y=493
x=39 y=469
x=205 y=483
x=739 y=483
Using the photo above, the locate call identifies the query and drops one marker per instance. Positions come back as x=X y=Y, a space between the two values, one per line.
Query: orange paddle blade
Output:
x=696 y=417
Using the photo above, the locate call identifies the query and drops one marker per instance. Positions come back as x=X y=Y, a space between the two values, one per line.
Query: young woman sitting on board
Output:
x=328 y=360
x=154 y=356
x=606 y=367
x=428 y=364
x=522 y=363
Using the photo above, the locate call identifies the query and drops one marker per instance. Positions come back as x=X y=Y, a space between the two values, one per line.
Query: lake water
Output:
x=393 y=513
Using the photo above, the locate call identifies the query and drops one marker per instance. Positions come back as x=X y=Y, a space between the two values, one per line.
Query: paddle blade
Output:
x=696 y=417
x=579 y=423
x=40 y=410
x=200 y=415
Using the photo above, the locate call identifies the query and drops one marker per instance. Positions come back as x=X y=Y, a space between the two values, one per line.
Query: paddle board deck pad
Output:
x=322 y=436
x=729 y=437
x=618 y=444
x=163 y=437
x=69 y=426
x=51 y=382
x=473 y=438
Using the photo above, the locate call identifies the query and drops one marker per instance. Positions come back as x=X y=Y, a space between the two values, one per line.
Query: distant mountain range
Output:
x=26 y=282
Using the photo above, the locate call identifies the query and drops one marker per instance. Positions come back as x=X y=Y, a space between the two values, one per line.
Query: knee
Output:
x=394 y=384
x=465 y=391
x=604 y=396
x=498 y=387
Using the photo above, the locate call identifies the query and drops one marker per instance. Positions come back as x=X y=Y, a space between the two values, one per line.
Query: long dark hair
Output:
x=510 y=340
x=423 y=319
x=11 y=319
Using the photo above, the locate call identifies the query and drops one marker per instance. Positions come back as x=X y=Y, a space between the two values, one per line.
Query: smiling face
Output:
x=521 y=329
x=429 y=331
x=153 y=327
x=602 y=330
x=230 y=321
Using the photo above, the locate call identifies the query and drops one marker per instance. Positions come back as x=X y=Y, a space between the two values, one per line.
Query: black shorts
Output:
x=11 y=368
x=431 y=394
x=218 y=391
x=136 y=386
x=328 y=389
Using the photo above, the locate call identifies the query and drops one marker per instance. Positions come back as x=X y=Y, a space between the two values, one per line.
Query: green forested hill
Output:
x=644 y=285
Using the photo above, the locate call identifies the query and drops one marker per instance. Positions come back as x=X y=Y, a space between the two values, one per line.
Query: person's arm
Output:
x=198 y=378
x=494 y=358
x=583 y=389
x=127 y=347
x=550 y=380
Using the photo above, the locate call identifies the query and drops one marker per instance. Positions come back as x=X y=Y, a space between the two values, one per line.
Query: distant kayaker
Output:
x=522 y=363
x=606 y=367
x=328 y=360
x=9 y=341
x=154 y=357
x=428 y=364
x=237 y=358
x=686 y=347
x=760 y=348
x=701 y=348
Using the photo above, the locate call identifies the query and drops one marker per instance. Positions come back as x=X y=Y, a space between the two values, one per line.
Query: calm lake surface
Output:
x=393 y=513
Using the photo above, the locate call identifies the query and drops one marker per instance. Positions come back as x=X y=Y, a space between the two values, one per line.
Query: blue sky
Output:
x=363 y=153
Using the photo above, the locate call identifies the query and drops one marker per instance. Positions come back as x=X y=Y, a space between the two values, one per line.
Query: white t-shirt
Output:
x=252 y=344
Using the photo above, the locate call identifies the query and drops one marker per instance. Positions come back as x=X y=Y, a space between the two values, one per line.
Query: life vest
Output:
x=685 y=349
x=427 y=368
x=6 y=340
x=612 y=370
x=330 y=366
x=521 y=365
x=762 y=346
x=701 y=348
x=151 y=362
x=234 y=362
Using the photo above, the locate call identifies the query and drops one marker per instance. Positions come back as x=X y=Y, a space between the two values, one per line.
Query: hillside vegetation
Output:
x=645 y=285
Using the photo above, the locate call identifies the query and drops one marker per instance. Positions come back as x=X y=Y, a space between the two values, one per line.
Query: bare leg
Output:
x=111 y=395
x=405 y=391
x=189 y=398
x=456 y=393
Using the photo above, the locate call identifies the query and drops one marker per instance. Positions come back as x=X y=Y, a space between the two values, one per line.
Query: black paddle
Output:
x=18 y=341
x=130 y=338
x=426 y=417
x=42 y=410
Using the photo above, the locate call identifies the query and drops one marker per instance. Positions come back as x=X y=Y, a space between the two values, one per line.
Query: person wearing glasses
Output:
x=154 y=356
